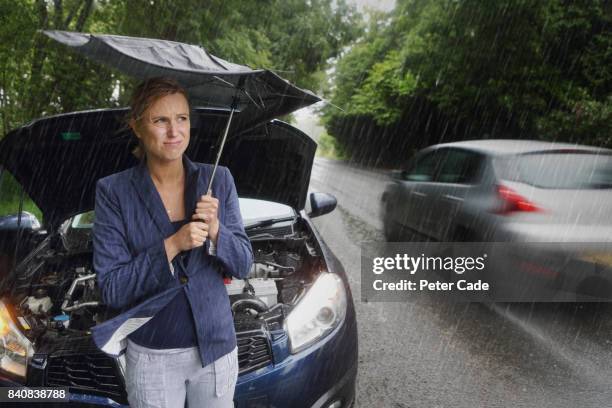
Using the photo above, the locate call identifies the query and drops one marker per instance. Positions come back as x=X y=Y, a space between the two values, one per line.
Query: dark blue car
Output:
x=294 y=314
x=14 y=222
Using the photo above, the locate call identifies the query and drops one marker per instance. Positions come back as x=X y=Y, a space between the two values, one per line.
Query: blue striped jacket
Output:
x=132 y=269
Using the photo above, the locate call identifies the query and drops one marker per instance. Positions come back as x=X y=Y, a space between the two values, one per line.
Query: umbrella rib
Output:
x=332 y=104
x=242 y=90
x=224 y=81
x=249 y=96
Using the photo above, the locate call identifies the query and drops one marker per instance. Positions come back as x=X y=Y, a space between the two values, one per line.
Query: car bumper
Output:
x=318 y=376
x=560 y=233
x=551 y=270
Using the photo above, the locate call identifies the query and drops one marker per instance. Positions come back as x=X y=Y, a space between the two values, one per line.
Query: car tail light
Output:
x=536 y=269
x=514 y=202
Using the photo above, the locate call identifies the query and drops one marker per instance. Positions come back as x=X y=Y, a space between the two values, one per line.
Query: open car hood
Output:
x=58 y=159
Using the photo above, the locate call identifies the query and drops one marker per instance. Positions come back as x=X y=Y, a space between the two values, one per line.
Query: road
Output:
x=430 y=352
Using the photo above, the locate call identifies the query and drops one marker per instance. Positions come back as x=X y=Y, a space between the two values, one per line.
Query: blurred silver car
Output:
x=504 y=191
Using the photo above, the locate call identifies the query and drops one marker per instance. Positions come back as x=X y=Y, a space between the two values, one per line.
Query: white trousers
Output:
x=169 y=378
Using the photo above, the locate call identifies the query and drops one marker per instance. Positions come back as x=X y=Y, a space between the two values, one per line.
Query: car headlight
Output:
x=321 y=309
x=15 y=348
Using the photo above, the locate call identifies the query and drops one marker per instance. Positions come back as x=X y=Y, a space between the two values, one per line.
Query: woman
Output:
x=162 y=244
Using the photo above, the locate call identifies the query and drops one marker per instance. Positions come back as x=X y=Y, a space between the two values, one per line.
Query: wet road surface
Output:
x=430 y=352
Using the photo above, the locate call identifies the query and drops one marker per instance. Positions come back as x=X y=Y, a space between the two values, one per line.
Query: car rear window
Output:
x=558 y=170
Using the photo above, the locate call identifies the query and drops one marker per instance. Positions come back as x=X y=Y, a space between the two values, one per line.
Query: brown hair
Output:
x=144 y=95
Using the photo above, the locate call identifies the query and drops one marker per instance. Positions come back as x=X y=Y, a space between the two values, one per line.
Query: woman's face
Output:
x=164 y=128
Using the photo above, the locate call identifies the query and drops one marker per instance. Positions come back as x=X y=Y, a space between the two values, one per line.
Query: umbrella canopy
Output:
x=258 y=94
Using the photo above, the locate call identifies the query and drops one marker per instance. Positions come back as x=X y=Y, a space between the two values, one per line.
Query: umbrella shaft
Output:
x=212 y=176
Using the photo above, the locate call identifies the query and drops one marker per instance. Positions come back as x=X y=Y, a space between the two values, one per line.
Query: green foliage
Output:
x=382 y=94
x=249 y=46
x=304 y=35
x=15 y=17
x=588 y=117
x=329 y=147
x=353 y=66
x=443 y=70
x=39 y=78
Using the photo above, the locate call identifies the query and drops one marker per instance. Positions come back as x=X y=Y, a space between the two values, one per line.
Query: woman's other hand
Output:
x=206 y=211
x=189 y=236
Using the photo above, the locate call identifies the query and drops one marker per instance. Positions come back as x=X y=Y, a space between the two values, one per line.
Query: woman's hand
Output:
x=189 y=236
x=206 y=211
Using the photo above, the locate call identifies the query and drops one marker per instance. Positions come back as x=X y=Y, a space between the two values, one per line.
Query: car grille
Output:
x=85 y=370
x=253 y=351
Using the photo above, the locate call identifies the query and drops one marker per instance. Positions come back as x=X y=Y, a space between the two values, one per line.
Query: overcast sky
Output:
x=383 y=5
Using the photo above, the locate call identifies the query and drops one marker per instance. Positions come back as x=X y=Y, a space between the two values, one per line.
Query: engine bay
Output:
x=56 y=292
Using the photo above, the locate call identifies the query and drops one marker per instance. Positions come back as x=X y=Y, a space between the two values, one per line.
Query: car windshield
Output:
x=13 y=198
x=559 y=170
x=252 y=211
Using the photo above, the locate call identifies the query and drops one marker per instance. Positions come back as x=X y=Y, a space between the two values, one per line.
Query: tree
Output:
x=447 y=70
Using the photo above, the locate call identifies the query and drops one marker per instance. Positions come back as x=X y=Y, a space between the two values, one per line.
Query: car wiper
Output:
x=268 y=222
x=263 y=235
